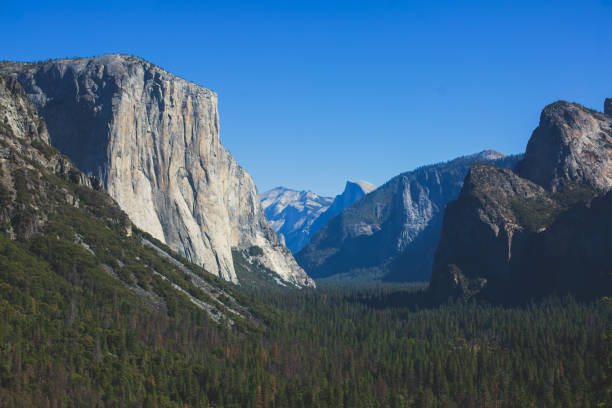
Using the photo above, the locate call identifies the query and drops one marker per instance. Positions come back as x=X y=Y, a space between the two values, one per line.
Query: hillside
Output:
x=92 y=307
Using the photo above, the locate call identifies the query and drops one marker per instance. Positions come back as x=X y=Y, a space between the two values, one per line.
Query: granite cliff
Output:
x=544 y=227
x=56 y=225
x=24 y=155
x=572 y=144
x=153 y=140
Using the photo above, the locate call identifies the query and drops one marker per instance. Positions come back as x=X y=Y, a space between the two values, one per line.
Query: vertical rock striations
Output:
x=153 y=140
x=32 y=173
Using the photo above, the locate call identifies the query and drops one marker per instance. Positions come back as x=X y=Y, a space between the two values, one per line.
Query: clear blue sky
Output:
x=317 y=92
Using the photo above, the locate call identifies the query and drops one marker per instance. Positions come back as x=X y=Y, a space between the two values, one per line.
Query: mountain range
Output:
x=474 y=225
x=296 y=215
x=391 y=234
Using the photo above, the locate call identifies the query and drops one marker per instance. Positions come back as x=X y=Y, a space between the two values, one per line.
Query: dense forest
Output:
x=71 y=335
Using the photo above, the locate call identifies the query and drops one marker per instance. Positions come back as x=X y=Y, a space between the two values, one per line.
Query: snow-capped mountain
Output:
x=291 y=213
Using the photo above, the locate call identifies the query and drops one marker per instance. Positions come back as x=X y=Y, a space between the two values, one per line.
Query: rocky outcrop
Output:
x=572 y=144
x=80 y=235
x=392 y=232
x=515 y=235
x=291 y=214
x=153 y=140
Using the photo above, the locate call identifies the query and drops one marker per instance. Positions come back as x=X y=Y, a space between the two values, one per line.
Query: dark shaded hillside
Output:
x=573 y=255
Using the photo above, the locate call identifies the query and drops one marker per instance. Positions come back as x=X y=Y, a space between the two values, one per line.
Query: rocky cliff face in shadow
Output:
x=544 y=228
x=380 y=235
x=482 y=230
x=27 y=195
x=153 y=139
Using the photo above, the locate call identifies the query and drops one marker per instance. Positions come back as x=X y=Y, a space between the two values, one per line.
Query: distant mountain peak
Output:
x=365 y=186
x=296 y=215
x=392 y=232
x=292 y=212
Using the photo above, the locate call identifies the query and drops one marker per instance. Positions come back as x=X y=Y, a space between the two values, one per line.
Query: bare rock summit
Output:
x=572 y=144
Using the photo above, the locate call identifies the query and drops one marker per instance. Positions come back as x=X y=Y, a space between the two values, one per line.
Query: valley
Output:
x=140 y=266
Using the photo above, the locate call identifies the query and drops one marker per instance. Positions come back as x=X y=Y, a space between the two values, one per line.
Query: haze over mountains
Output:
x=392 y=232
x=296 y=215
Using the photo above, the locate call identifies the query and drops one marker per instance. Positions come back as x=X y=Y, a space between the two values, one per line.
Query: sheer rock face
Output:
x=153 y=139
x=572 y=144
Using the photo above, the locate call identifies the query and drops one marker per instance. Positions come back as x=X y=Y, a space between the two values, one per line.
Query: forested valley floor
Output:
x=73 y=336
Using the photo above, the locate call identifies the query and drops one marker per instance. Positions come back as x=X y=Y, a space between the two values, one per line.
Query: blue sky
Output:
x=314 y=93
